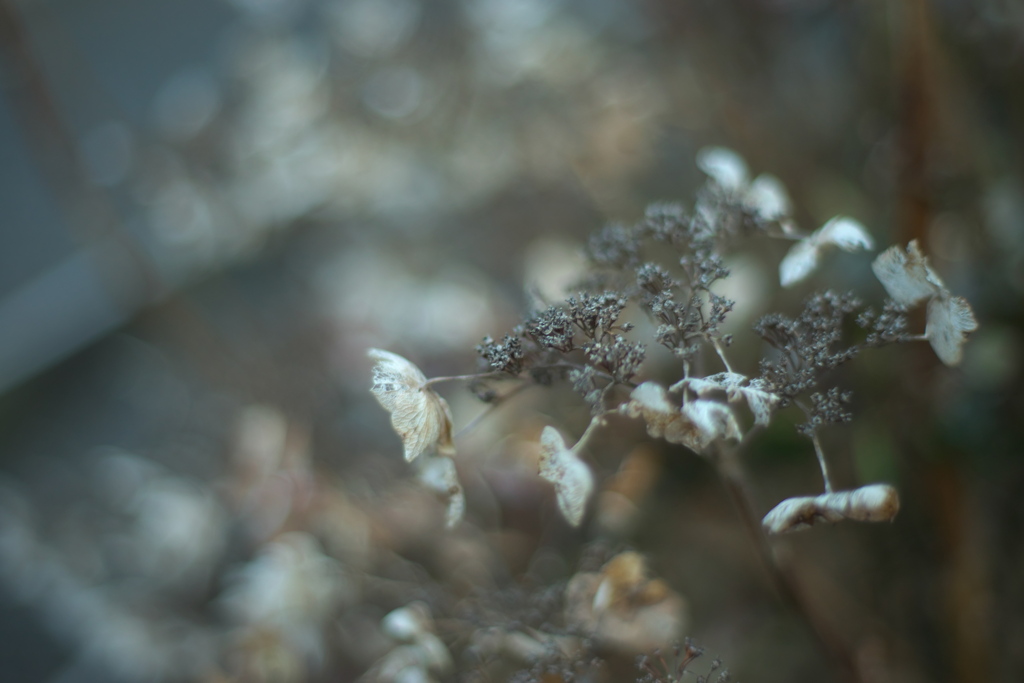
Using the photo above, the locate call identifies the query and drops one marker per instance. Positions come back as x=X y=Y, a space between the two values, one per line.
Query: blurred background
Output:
x=209 y=210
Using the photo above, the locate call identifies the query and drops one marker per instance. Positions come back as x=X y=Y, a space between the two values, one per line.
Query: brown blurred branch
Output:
x=86 y=208
x=781 y=574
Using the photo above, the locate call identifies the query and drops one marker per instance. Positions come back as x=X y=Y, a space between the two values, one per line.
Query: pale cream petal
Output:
x=725 y=166
x=573 y=480
x=906 y=276
x=845 y=233
x=420 y=417
x=950 y=323
x=800 y=261
x=711 y=421
x=695 y=426
x=873 y=503
x=650 y=401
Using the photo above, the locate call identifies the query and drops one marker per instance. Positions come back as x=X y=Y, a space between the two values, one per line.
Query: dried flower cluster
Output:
x=665 y=266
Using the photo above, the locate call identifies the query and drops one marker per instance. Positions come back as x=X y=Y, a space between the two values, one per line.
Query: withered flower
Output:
x=419 y=415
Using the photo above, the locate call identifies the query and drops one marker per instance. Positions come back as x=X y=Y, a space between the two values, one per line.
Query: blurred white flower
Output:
x=908 y=279
x=761 y=402
x=420 y=417
x=421 y=654
x=803 y=257
x=179 y=530
x=873 y=503
x=623 y=608
x=291 y=585
x=573 y=480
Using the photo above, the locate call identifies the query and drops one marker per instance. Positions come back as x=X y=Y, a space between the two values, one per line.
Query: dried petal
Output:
x=803 y=257
x=950 y=322
x=439 y=475
x=695 y=426
x=762 y=403
x=710 y=420
x=800 y=261
x=573 y=480
x=421 y=418
x=650 y=401
x=845 y=233
x=873 y=503
x=725 y=166
x=767 y=196
x=906 y=276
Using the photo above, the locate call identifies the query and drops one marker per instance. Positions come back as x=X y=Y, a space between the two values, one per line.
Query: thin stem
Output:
x=821 y=461
x=494 y=405
x=721 y=354
x=455 y=378
x=818 y=451
x=595 y=422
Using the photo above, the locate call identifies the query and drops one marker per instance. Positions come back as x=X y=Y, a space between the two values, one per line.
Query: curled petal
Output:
x=573 y=480
x=950 y=322
x=420 y=417
x=845 y=233
x=874 y=503
x=695 y=426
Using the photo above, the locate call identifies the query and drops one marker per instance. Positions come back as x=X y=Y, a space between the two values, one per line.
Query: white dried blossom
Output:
x=873 y=503
x=760 y=401
x=909 y=280
x=418 y=414
x=573 y=480
x=710 y=421
x=696 y=425
x=803 y=257
x=438 y=474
